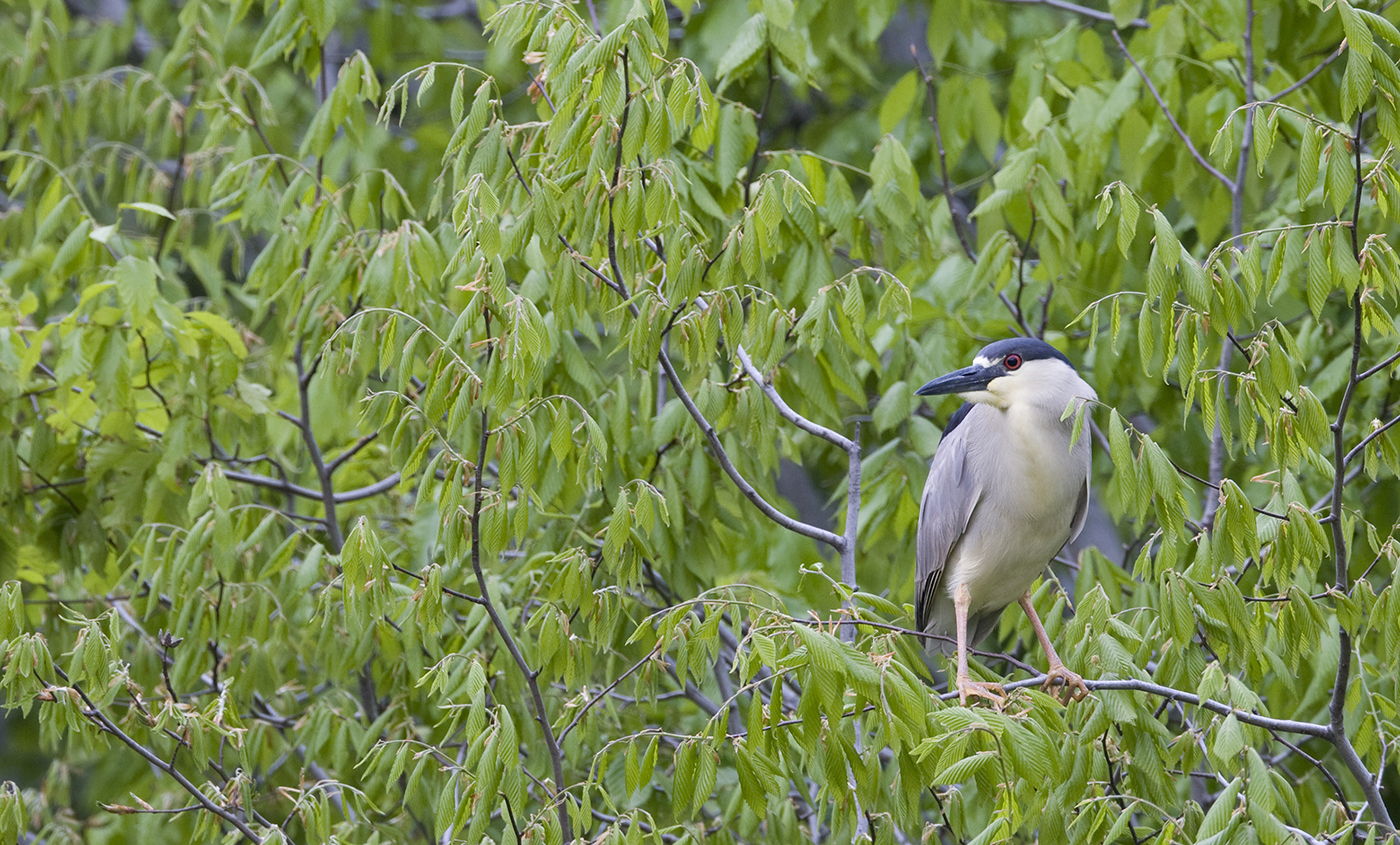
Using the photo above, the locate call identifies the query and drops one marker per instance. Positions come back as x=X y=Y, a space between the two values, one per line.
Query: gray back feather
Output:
x=950 y=496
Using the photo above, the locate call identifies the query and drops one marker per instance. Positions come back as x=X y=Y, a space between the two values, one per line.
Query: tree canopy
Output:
x=451 y=422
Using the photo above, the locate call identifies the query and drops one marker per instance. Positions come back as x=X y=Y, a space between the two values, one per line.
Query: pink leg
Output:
x=1058 y=674
x=966 y=686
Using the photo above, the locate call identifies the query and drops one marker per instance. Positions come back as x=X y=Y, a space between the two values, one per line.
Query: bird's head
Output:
x=1019 y=370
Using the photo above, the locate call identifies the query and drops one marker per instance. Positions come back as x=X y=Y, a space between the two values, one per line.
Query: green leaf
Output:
x=149 y=207
x=744 y=49
x=899 y=101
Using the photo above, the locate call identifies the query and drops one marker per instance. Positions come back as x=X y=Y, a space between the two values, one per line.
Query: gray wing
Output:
x=1081 y=512
x=1083 y=452
x=949 y=498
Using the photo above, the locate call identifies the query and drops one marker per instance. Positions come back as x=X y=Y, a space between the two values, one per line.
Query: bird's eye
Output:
x=1012 y=362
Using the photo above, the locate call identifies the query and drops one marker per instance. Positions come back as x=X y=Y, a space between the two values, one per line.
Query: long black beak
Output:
x=966 y=380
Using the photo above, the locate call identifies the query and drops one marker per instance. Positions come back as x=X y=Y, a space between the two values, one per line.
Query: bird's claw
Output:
x=1060 y=678
x=989 y=690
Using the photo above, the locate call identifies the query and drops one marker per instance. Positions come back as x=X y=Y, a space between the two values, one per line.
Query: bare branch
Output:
x=1307 y=77
x=617 y=170
x=757 y=147
x=447 y=591
x=1181 y=133
x=785 y=411
x=1083 y=11
x=1247 y=143
x=1379 y=367
x=1341 y=578
x=352 y=451
x=1366 y=441
x=93 y=713
x=257 y=127
x=1326 y=773
x=1132 y=685
x=848 y=548
x=796 y=526
x=388 y=483
x=323 y=474
x=1217 y=438
x=943 y=159
x=556 y=754
x=1216 y=487
x=651 y=655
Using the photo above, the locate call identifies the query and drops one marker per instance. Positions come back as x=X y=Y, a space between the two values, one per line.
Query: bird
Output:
x=1008 y=487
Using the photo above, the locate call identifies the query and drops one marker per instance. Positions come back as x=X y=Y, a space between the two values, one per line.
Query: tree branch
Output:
x=1379 y=367
x=1326 y=773
x=93 y=713
x=785 y=411
x=848 y=548
x=1083 y=11
x=1366 y=441
x=796 y=526
x=943 y=158
x=651 y=655
x=1217 y=437
x=1132 y=685
x=323 y=474
x=757 y=147
x=1341 y=579
x=556 y=754
x=1336 y=54
x=617 y=173
x=388 y=483
x=1181 y=133
x=352 y=451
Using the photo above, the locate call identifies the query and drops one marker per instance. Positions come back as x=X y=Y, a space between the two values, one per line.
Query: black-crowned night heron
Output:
x=1005 y=492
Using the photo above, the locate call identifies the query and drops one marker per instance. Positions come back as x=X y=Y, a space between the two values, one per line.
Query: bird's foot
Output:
x=1060 y=679
x=989 y=690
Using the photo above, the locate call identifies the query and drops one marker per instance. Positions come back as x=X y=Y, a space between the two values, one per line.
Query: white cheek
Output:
x=991 y=396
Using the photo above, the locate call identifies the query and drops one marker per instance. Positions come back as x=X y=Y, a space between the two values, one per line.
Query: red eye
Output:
x=1012 y=362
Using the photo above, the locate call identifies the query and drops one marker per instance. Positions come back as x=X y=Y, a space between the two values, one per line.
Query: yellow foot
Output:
x=983 y=689
x=1059 y=678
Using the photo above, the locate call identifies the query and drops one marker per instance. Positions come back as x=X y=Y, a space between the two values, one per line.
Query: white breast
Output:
x=1025 y=515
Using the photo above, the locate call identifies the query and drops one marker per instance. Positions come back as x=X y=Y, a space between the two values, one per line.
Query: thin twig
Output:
x=327 y=498
x=1133 y=685
x=388 y=483
x=1336 y=54
x=351 y=452
x=1181 y=133
x=257 y=127
x=796 y=526
x=1216 y=487
x=922 y=635
x=1113 y=785
x=1092 y=14
x=457 y=594
x=785 y=411
x=94 y=714
x=1237 y=187
x=174 y=193
x=556 y=754
x=1341 y=581
x=1327 y=773
x=749 y=175
x=943 y=158
x=651 y=655
x=1379 y=367
x=1367 y=440
x=1021 y=264
x=617 y=167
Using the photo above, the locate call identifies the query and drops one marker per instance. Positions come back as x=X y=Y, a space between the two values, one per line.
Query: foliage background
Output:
x=379 y=385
